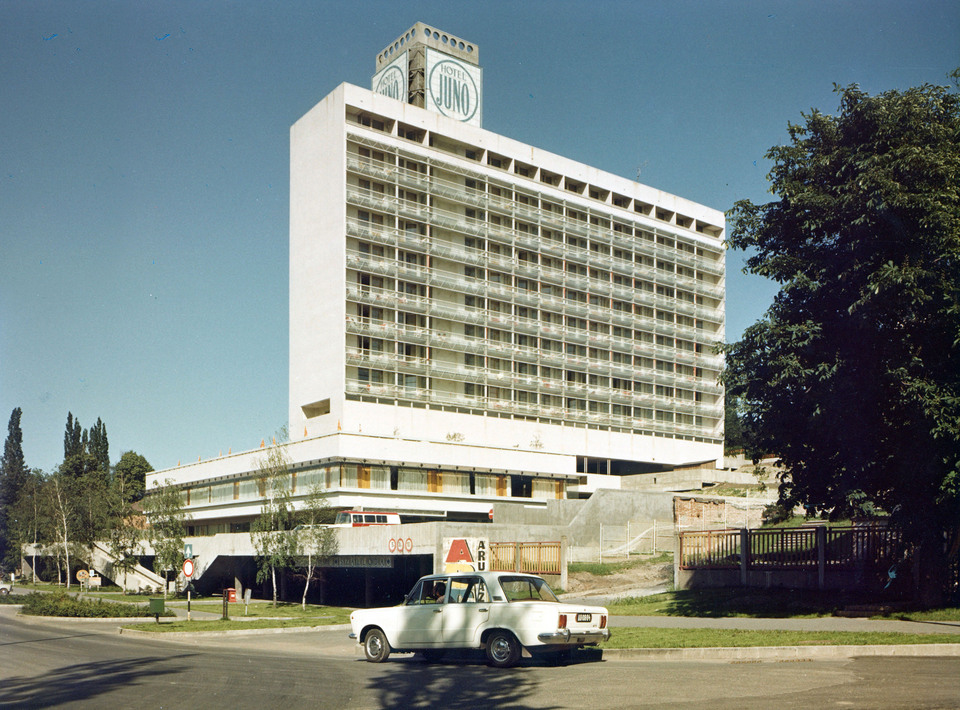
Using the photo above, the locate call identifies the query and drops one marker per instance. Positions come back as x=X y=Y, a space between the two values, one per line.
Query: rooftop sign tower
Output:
x=433 y=70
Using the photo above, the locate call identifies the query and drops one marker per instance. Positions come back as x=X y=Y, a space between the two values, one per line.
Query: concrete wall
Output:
x=686 y=480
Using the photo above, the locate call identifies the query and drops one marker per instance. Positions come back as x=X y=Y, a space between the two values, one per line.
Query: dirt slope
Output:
x=635 y=581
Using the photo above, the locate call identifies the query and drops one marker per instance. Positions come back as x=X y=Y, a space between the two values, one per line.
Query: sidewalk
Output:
x=823 y=623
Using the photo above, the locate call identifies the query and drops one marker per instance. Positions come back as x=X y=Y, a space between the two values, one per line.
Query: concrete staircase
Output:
x=132 y=580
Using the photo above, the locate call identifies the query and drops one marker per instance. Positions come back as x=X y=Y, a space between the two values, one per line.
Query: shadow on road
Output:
x=462 y=679
x=83 y=681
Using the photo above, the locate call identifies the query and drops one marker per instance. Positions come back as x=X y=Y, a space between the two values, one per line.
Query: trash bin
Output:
x=231 y=594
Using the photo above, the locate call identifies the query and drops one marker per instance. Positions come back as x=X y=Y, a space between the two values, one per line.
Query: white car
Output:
x=500 y=612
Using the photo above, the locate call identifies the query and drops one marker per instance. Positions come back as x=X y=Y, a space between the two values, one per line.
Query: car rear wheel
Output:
x=375 y=646
x=503 y=649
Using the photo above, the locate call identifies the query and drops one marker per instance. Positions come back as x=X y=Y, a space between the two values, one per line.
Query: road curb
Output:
x=34 y=618
x=180 y=635
x=759 y=654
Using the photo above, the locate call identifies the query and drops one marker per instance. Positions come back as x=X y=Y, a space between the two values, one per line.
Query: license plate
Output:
x=583 y=617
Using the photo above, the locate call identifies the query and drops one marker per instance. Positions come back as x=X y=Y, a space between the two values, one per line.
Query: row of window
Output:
x=503 y=202
x=599 y=352
x=548 y=405
x=385 y=478
x=535 y=174
x=494 y=244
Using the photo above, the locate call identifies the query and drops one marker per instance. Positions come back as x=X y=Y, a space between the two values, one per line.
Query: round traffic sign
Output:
x=188 y=567
x=82 y=575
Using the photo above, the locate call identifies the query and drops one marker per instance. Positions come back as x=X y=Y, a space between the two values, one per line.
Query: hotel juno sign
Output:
x=453 y=87
x=392 y=79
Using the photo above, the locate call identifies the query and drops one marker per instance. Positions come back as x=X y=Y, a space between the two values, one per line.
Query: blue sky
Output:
x=144 y=168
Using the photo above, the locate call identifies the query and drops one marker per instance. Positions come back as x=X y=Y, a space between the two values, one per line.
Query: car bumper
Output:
x=566 y=636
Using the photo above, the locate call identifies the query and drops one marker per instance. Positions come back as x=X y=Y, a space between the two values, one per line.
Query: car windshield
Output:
x=526 y=589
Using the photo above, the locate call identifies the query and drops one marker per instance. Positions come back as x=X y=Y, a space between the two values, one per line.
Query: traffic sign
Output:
x=82 y=575
x=188 y=568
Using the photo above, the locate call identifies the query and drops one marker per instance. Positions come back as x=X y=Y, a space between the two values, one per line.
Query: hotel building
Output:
x=473 y=319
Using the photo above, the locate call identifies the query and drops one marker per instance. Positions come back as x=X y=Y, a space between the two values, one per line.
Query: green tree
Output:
x=13 y=476
x=853 y=374
x=129 y=476
x=100 y=448
x=317 y=541
x=166 y=528
x=30 y=515
x=77 y=459
x=126 y=540
x=272 y=533
x=72 y=437
x=732 y=429
x=96 y=506
x=87 y=464
x=60 y=510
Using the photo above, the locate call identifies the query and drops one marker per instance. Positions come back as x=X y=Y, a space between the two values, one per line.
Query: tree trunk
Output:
x=66 y=554
x=306 y=586
x=273 y=578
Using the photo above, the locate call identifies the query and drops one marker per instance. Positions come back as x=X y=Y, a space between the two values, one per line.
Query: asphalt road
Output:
x=88 y=665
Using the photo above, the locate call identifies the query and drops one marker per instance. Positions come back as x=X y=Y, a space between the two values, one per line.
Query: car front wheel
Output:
x=375 y=646
x=503 y=649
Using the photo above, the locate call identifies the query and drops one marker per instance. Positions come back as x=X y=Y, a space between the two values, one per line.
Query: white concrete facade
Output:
x=425 y=281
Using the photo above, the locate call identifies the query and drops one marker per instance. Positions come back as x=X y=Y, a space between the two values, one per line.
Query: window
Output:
x=367 y=345
x=412 y=258
x=468 y=590
x=369 y=376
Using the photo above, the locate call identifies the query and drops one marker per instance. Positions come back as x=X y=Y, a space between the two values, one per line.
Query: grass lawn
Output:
x=762 y=603
x=235 y=625
x=644 y=637
x=603 y=569
x=264 y=608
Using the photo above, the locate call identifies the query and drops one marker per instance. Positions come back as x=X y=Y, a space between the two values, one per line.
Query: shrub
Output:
x=62 y=604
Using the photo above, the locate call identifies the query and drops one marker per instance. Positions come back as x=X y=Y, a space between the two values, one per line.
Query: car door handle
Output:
x=483 y=609
x=438 y=611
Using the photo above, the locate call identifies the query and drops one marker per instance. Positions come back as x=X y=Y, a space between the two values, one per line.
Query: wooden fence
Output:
x=788 y=548
x=532 y=557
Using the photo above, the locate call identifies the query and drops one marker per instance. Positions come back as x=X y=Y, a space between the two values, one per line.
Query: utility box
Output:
x=231 y=594
x=156 y=608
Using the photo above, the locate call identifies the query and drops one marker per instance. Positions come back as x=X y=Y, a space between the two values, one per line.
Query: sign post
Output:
x=188 y=573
